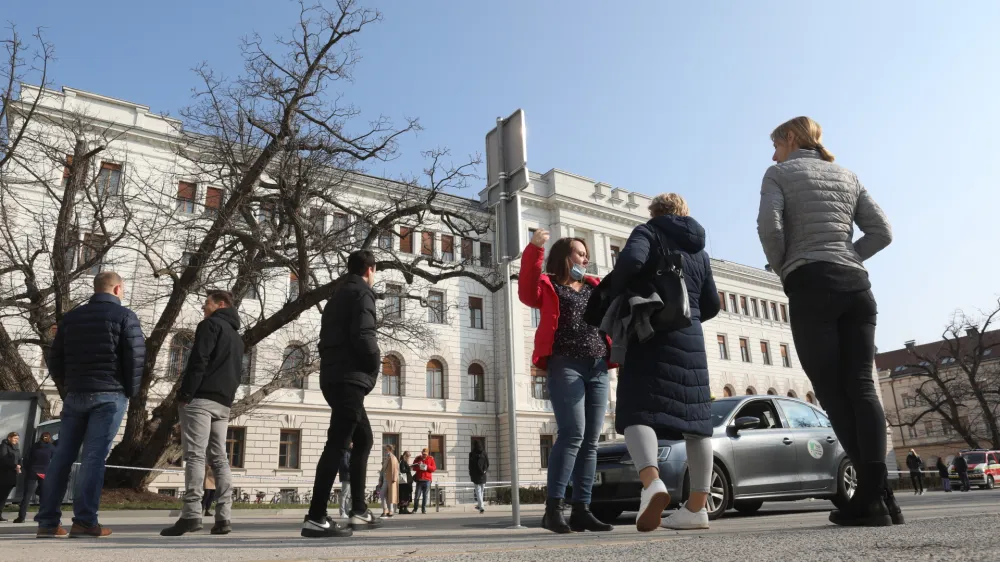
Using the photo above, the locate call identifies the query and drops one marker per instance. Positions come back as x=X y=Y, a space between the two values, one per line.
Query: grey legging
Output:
x=642 y=447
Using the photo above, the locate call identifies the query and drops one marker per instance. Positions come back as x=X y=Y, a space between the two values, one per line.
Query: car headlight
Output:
x=978 y=469
x=661 y=456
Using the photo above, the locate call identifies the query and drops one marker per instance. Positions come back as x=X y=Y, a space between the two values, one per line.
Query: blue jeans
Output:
x=423 y=490
x=90 y=420
x=578 y=389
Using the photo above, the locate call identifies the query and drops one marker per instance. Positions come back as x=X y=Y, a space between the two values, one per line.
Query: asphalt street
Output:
x=939 y=527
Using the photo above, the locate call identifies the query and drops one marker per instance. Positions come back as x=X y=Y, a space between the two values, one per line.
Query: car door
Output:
x=765 y=458
x=815 y=445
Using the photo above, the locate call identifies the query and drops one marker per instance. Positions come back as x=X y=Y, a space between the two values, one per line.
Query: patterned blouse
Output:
x=574 y=337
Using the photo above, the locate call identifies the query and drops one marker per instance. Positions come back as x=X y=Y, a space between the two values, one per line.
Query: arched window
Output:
x=391 y=370
x=293 y=363
x=751 y=391
x=772 y=392
x=477 y=383
x=791 y=394
x=728 y=391
x=539 y=388
x=435 y=379
x=180 y=352
x=810 y=398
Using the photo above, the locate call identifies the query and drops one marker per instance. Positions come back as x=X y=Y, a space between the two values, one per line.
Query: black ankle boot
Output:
x=553 y=519
x=867 y=507
x=895 y=513
x=581 y=519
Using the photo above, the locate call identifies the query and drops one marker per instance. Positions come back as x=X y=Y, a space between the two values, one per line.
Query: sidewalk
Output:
x=127 y=516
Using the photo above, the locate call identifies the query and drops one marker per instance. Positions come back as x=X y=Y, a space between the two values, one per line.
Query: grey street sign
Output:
x=506 y=174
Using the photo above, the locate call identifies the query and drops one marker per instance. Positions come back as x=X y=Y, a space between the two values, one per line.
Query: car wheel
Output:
x=718 y=494
x=747 y=507
x=606 y=514
x=847 y=483
x=989 y=483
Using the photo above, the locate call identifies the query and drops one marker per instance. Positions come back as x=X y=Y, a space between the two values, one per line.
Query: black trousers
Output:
x=206 y=499
x=5 y=491
x=31 y=487
x=834 y=335
x=348 y=424
x=917 y=479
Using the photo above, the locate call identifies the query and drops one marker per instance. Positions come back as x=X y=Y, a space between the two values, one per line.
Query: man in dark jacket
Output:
x=349 y=364
x=36 y=464
x=479 y=463
x=206 y=393
x=915 y=464
x=962 y=468
x=96 y=361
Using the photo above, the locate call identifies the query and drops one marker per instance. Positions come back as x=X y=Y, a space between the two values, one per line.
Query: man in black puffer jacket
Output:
x=97 y=360
x=207 y=390
x=349 y=364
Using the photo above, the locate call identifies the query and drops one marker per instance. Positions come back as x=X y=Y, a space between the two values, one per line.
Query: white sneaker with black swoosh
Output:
x=325 y=528
x=365 y=521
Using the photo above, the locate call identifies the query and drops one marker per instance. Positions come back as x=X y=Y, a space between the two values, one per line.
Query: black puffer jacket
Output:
x=348 y=347
x=216 y=365
x=38 y=459
x=664 y=382
x=99 y=347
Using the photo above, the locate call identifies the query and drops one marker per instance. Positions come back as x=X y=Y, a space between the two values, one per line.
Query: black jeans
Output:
x=834 y=335
x=348 y=424
x=917 y=479
x=32 y=485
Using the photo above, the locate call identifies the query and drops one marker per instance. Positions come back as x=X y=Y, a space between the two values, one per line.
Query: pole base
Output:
x=516 y=527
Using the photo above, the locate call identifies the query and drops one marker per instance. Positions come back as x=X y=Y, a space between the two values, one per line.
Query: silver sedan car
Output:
x=767 y=448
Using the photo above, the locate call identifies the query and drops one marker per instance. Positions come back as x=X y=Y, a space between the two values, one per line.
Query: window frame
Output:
x=441 y=456
x=447 y=247
x=108 y=189
x=283 y=444
x=436 y=384
x=405 y=240
x=786 y=355
x=395 y=378
x=236 y=447
x=394 y=301
x=477 y=382
x=427 y=243
x=186 y=205
x=216 y=194
x=765 y=352
x=435 y=307
x=545 y=443
x=539 y=384
x=745 y=355
x=485 y=254
x=723 y=342
x=475 y=318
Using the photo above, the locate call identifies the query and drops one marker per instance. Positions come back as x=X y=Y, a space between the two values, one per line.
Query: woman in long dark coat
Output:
x=10 y=458
x=405 y=483
x=663 y=386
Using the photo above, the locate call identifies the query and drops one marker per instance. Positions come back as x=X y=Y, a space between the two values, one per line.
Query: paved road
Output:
x=939 y=526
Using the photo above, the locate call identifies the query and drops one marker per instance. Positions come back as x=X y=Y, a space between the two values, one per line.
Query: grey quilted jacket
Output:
x=808 y=208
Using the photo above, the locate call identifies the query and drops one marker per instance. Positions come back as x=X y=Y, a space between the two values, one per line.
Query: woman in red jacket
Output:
x=574 y=354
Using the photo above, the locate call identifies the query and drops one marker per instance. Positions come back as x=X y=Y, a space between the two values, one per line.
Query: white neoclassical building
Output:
x=452 y=392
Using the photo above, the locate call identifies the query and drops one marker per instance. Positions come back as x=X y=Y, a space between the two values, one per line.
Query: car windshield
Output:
x=975 y=458
x=721 y=409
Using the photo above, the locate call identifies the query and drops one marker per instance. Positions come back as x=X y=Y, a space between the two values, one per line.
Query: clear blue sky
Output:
x=650 y=96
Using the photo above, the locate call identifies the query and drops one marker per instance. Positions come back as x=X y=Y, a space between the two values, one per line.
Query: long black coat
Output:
x=9 y=455
x=664 y=382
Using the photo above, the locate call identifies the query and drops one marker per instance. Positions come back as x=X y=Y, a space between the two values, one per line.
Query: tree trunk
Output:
x=16 y=375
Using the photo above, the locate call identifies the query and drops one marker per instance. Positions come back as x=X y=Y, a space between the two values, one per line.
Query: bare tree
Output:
x=959 y=379
x=287 y=198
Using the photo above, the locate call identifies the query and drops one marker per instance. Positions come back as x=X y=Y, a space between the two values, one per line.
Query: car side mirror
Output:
x=745 y=422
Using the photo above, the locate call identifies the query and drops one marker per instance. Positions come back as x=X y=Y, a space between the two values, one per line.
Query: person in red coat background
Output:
x=575 y=354
x=423 y=466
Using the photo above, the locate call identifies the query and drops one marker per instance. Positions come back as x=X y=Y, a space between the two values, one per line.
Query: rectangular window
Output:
x=213 y=201
x=615 y=252
x=467 y=250
x=109 y=179
x=435 y=307
x=544 y=449
x=763 y=306
x=394 y=301
x=786 y=359
x=236 y=443
x=753 y=305
x=288 y=448
x=391 y=439
x=722 y=302
x=912 y=432
x=908 y=401
x=476 y=312
x=539 y=388
x=723 y=347
x=765 y=352
x=341 y=224
x=406 y=240
x=266 y=212
x=436 y=447
x=485 y=254
x=743 y=306
x=293 y=286
x=536 y=317
x=447 y=247
x=784 y=314
x=946 y=428
x=774 y=312
x=745 y=350
x=732 y=304
x=317 y=220
x=385 y=240
x=93 y=245
x=929 y=428
x=427 y=244
x=186 y=193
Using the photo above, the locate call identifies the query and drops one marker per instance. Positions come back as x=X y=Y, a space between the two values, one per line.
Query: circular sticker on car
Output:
x=815 y=449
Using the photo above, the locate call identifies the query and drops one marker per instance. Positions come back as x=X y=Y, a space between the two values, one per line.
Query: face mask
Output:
x=577 y=272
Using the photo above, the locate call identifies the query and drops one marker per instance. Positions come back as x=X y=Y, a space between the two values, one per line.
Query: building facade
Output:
x=449 y=389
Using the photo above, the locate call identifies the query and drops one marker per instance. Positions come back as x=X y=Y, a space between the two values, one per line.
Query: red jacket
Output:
x=536 y=290
x=423 y=475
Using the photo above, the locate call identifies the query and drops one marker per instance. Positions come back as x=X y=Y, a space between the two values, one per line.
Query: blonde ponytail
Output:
x=805 y=133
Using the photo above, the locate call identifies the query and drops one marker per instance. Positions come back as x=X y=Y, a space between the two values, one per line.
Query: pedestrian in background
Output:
x=405 y=483
x=808 y=209
x=479 y=463
x=574 y=354
x=390 y=482
x=962 y=468
x=97 y=360
x=663 y=385
x=35 y=464
x=10 y=458
x=206 y=502
x=943 y=472
x=915 y=464
x=207 y=390
x=423 y=472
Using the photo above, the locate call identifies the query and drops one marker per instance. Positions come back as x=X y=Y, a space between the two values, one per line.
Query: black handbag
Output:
x=668 y=282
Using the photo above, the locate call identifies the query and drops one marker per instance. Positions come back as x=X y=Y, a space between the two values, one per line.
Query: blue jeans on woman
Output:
x=578 y=389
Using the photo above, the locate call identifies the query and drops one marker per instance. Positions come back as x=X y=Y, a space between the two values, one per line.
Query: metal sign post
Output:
x=506 y=174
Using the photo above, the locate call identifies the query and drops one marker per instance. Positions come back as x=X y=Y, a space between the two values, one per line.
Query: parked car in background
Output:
x=984 y=468
x=767 y=448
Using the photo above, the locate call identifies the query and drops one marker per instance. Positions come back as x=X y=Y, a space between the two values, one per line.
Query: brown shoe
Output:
x=51 y=533
x=78 y=531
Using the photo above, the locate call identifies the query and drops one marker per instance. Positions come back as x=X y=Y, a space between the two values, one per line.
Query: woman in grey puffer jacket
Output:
x=808 y=209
